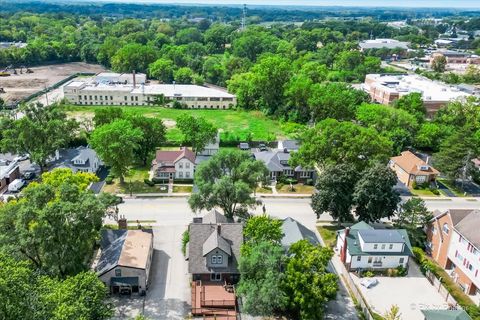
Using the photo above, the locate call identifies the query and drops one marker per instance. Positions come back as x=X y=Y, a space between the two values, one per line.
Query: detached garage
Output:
x=125 y=260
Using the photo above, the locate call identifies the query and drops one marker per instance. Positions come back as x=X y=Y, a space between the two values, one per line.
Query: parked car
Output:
x=244 y=146
x=369 y=282
x=16 y=185
x=262 y=147
x=21 y=157
x=29 y=175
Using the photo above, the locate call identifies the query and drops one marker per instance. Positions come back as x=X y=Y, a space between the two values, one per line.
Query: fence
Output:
x=354 y=290
x=437 y=284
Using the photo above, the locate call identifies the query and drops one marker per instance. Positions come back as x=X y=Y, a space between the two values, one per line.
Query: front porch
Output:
x=215 y=300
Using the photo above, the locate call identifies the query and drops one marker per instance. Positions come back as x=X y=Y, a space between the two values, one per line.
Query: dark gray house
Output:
x=277 y=164
x=294 y=231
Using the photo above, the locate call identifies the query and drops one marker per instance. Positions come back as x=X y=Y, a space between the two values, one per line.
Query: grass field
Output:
x=234 y=122
x=297 y=188
x=329 y=234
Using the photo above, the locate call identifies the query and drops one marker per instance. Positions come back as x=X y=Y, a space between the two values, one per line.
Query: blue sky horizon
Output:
x=472 y=4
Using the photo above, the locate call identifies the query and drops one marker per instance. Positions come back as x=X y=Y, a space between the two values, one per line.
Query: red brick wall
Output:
x=440 y=240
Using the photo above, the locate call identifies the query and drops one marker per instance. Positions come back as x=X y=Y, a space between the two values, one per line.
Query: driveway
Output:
x=411 y=294
x=402 y=189
x=168 y=295
x=445 y=190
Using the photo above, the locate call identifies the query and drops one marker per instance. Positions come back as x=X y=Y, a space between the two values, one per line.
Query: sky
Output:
x=371 y=3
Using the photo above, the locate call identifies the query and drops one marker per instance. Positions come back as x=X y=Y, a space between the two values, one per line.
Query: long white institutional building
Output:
x=133 y=90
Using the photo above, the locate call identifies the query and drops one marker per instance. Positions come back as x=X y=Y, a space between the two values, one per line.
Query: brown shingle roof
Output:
x=412 y=164
x=136 y=249
x=174 y=156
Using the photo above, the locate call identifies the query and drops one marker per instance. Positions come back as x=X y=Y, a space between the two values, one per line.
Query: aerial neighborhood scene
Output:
x=258 y=160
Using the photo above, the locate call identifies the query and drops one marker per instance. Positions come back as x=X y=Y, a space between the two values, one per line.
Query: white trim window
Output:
x=288 y=173
x=445 y=228
x=215 y=276
x=305 y=174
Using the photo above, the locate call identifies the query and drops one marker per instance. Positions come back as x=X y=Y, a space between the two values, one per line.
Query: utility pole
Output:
x=244 y=17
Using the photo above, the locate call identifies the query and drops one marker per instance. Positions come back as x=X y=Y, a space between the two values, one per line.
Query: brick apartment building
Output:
x=454 y=242
x=386 y=88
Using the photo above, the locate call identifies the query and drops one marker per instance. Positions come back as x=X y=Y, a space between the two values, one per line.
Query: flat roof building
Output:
x=133 y=90
x=386 y=88
x=383 y=44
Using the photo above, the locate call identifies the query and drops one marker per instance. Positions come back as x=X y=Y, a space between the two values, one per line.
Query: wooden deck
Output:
x=214 y=300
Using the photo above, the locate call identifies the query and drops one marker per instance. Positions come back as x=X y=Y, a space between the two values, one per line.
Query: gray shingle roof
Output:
x=294 y=231
x=381 y=236
x=214 y=217
x=272 y=159
x=232 y=233
x=216 y=241
x=468 y=227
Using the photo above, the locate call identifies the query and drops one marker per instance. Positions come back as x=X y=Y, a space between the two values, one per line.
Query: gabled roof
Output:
x=381 y=236
x=126 y=248
x=272 y=159
x=201 y=240
x=446 y=315
x=466 y=222
x=288 y=144
x=413 y=164
x=294 y=231
x=214 y=217
x=171 y=157
x=216 y=241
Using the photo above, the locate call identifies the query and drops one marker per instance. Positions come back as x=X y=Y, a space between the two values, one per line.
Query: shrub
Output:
x=309 y=182
x=414 y=185
x=435 y=191
x=185 y=240
x=368 y=274
x=149 y=182
x=401 y=271
x=159 y=180
x=109 y=180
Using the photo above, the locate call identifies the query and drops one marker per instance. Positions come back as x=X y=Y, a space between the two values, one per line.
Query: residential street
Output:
x=168 y=297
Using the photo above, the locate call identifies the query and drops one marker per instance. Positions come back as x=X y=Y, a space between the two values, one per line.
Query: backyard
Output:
x=329 y=234
x=233 y=123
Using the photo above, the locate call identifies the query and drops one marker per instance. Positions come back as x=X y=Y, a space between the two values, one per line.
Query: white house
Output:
x=363 y=247
x=81 y=159
x=178 y=164
x=125 y=260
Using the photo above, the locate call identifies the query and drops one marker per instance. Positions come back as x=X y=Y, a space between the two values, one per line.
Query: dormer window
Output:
x=424 y=167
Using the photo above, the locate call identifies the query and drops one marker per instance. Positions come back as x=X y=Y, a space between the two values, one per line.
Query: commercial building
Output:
x=362 y=247
x=383 y=44
x=134 y=90
x=411 y=169
x=125 y=260
x=386 y=88
x=453 y=240
x=455 y=57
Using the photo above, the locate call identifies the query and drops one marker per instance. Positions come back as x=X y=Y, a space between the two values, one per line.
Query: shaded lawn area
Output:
x=423 y=192
x=134 y=183
x=329 y=235
x=452 y=187
x=182 y=189
x=297 y=188
x=263 y=190
x=236 y=122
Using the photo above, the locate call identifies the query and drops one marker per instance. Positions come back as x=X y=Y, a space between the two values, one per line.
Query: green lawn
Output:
x=297 y=188
x=232 y=122
x=423 y=193
x=134 y=183
x=329 y=234
x=452 y=187
x=182 y=189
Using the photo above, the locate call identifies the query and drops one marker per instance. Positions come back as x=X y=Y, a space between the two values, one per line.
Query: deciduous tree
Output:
x=227 y=180
x=116 y=143
x=374 y=196
x=197 y=132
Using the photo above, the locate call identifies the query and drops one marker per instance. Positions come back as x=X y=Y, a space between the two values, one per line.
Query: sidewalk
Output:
x=258 y=195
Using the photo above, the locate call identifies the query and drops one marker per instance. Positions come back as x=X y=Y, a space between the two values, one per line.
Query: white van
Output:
x=16 y=185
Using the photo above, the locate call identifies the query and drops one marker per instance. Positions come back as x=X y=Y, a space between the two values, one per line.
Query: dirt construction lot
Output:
x=18 y=86
x=411 y=294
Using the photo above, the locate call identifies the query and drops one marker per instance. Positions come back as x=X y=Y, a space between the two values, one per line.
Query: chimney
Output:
x=134 y=79
x=428 y=160
x=122 y=223
x=343 y=253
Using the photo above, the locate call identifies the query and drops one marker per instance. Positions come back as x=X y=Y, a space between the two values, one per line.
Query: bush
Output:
x=414 y=185
x=401 y=271
x=159 y=180
x=149 y=182
x=109 y=180
x=435 y=191
x=309 y=182
x=368 y=274
x=185 y=240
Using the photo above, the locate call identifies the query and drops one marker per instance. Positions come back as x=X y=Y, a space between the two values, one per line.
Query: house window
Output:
x=305 y=174
x=288 y=172
x=79 y=97
x=111 y=97
x=215 y=276
x=370 y=259
x=213 y=259
x=187 y=174
x=125 y=97
x=180 y=165
x=375 y=246
x=383 y=246
x=187 y=165
x=446 y=229
x=401 y=260
x=180 y=174
x=359 y=258
x=118 y=272
x=390 y=246
x=216 y=259
x=219 y=259
x=434 y=230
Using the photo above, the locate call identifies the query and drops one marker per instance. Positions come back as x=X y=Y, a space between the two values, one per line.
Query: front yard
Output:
x=134 y=183
x=329 y=234
x=297 y=188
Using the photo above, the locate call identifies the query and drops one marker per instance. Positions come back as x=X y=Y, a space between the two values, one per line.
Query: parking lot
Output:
x=411 y=294
x=168 y=295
